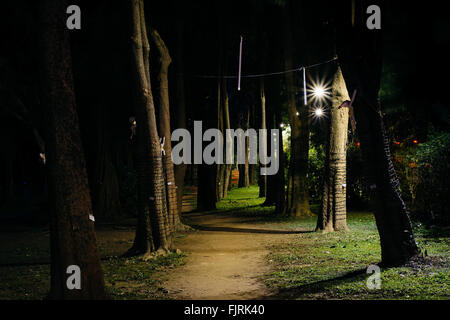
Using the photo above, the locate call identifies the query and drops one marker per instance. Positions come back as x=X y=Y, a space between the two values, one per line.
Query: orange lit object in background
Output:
x=358 y=144
x=396 y=142
x=415 y=141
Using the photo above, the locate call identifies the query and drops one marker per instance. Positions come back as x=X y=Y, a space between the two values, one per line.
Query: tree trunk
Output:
x=359 y=51
x=207 y=174
x=106 y=202
x=298 y=195
x=226 y=114
x=262 y=181
x=180 y=114
x=72 y=234
x=333 y=214
x=152 y=231
x=221 y=168
x=244 y=180
x=279 y=179
x=164 y=127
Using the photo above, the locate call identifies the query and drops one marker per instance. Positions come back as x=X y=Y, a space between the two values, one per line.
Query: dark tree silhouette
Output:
x=297 y=194
x=360 y=56
x=72 y=234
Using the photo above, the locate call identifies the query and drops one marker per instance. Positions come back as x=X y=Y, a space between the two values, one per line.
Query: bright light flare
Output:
x=318 y=112
x=319 y=92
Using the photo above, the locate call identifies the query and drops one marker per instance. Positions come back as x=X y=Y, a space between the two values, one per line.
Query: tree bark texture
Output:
x=72 y=234
x=333 y=212
x=164 y=126
x=153 y=229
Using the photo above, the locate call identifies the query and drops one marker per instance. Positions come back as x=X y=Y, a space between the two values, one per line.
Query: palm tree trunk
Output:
x=333 y=214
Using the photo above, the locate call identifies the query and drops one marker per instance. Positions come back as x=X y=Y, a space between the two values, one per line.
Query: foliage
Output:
x=315 y=173
x=421 y=169
x=357 y=192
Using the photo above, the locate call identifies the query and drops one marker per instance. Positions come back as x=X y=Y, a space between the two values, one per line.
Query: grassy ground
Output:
x=25 y=272
x=306 y=266
x=334 y=266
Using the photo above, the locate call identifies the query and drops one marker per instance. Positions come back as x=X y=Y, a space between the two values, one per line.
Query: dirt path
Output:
x=226 y=259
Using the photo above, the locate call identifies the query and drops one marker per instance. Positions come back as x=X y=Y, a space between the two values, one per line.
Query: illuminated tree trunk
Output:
x=298 y=195
x=152 y=232
x=333 y=212
x=72 y=234
x=164 y=127
x=359 y=51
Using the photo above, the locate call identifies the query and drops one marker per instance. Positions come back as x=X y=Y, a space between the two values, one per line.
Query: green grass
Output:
x=333 y=266
x=134 y=279
x=125 y=278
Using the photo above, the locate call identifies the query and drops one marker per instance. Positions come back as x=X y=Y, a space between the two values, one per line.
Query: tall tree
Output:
x=360 y=56
x=297 y=195
x=180 y=114
x=72 y=234
x=333 y=212
x=262 y=181
x=244 y=178
x=153 y=229
x=226 y=125
x=276 y=183
x=164 y=126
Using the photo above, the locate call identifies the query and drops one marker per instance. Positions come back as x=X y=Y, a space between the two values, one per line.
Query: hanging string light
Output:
x=304 y=87
x=240 y=65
